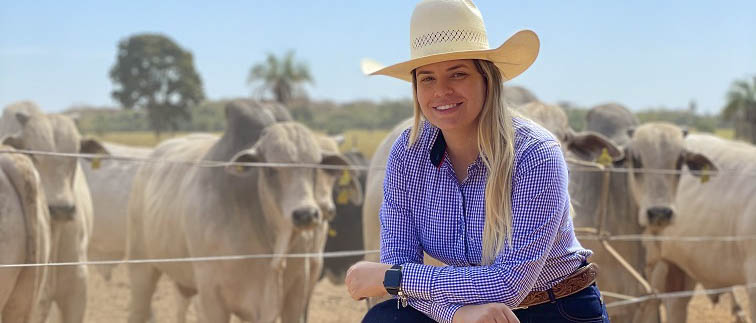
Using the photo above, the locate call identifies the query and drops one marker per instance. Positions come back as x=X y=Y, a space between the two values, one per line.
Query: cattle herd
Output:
x=197 y=196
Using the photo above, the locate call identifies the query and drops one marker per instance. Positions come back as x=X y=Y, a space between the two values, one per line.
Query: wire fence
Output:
x=625 y=300
x=216 y=164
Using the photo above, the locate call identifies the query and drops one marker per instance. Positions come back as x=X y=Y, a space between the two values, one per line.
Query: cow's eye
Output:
x=271 y=171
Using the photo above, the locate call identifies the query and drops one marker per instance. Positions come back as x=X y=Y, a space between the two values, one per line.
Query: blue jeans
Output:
x=584 y=306
x=387 y=312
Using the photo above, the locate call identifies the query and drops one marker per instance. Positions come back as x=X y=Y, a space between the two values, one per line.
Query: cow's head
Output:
x=654 y=155
x=586 y=145
x=298 y=196
x=53 y=133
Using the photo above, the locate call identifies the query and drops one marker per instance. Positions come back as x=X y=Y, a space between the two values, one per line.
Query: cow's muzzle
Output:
x=306 y=217
x=62 y=212
x=659 y=215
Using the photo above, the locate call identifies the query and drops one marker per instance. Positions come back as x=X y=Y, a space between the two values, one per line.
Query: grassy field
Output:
x=727 y=133
x=136 y=138
x=364 y=141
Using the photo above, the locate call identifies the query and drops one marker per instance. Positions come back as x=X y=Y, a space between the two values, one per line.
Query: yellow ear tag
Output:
x=96 y=163
x=705 y=174
x=604 y=158
x=332 y=233
x=343 y=197
x=239 y=168
x=345 y=178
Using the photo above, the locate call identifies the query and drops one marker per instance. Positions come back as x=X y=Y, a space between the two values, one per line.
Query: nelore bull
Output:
x=181 y=210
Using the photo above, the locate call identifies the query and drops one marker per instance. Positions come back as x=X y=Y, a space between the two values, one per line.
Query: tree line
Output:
x=159 y=89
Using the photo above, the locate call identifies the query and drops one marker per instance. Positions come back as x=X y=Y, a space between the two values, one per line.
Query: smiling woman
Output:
x=474 y=187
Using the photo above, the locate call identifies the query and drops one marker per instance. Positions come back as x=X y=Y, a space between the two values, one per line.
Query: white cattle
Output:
x=723 y=205
x=24 y=238
x=616 y=123
x=301 y=274
x=110 y=184
x=67 y=195
x=182 y=210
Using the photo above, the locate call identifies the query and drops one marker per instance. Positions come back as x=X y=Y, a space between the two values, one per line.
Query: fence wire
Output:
x=577 y=168
x=215 y=164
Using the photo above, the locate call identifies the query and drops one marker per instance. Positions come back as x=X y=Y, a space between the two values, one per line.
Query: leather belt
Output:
x=582 y=278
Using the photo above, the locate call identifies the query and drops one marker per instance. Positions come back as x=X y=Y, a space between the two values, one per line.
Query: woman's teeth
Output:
x=446 y=107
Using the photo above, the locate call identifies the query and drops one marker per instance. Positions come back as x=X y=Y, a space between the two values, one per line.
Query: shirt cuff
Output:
x=417 y=280
x=442 y=313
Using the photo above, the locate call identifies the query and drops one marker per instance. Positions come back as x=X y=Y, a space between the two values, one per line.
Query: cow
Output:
x=699 y=205
x=68 y=197
x=184 y=210
x=110 y=184
x=24 y=237
x=345 y=230
x=616 y=123
x=301 y=274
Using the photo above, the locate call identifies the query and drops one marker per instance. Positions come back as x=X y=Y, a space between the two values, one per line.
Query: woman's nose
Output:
x=442 y=89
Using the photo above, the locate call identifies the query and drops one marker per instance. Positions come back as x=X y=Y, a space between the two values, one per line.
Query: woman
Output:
x=476 y=188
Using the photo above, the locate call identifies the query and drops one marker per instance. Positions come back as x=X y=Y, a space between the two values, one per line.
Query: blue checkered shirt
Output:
x=425 y=208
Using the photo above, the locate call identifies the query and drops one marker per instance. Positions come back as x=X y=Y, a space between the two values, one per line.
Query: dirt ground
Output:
x=108 y=302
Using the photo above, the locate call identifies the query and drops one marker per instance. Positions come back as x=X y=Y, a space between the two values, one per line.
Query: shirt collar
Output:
x=438 y=150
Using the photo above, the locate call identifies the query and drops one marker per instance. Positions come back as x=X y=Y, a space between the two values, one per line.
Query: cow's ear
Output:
x=589 y=144
x=699 y=164
x=348 y=179
x=250 y=155
x=12 y=141
x=93 y=146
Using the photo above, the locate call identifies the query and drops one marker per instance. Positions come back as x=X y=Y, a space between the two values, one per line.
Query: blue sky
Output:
x=641 y=53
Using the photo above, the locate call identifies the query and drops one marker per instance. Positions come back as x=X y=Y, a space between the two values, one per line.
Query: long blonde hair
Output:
x=496 y=145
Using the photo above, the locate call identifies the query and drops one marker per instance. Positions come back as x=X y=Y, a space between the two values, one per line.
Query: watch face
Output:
x=393 y=278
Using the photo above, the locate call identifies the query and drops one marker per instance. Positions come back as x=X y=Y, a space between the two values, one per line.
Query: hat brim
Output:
x=512 y=58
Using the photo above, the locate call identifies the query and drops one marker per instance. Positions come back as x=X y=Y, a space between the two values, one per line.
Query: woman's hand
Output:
x=485 y=313
x=365 y=279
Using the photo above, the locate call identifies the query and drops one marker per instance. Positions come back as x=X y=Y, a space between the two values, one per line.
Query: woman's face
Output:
x=451 y=94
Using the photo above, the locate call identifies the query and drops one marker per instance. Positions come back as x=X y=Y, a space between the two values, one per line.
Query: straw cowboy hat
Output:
x=443 y=30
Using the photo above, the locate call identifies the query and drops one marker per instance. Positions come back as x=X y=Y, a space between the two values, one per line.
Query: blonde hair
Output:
x=496 y=145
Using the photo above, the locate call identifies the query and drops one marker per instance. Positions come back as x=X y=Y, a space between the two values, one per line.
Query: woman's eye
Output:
x=426 y=79
x=458 y=75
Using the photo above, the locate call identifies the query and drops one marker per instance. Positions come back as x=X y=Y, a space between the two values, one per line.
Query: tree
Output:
x=741 y=108
x=282 y=76
x=153 y=73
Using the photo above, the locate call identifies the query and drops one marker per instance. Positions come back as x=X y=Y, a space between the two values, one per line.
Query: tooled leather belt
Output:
x=585 y=276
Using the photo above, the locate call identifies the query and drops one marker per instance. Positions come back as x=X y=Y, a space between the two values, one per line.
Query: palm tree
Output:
x=281 y=76
x=741 y=107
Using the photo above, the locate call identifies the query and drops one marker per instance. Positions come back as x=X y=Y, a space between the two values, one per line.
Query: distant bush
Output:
x=208 y=116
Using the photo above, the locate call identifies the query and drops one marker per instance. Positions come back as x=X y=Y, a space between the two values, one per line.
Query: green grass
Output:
x=364 y=141
x=726 y=133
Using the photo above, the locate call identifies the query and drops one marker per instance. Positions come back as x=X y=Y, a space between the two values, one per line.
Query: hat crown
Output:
x=446 y=26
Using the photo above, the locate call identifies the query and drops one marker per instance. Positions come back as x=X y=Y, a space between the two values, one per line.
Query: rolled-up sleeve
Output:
x=539 y=203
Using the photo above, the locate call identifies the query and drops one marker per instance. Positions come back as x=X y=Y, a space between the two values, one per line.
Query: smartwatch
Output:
x=392 y=280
